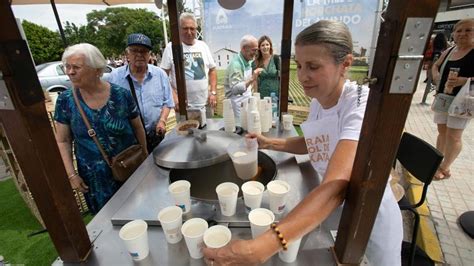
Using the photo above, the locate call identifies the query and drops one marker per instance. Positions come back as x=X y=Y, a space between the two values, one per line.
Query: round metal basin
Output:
x=205 y=180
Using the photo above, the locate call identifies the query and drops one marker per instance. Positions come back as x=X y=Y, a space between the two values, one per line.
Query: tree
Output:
x=110 y=28
x=75 y=34
x=45 y=45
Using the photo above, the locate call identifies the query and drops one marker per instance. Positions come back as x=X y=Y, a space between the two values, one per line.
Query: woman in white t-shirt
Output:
x=323 y=54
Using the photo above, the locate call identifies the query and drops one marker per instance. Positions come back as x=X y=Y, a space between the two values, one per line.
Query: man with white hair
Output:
x=199 y=66
x=238 y=76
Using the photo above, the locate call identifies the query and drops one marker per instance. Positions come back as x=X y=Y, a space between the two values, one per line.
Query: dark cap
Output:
x=139 y=39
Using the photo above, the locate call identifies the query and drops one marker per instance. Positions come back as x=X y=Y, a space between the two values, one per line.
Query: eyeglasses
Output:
x=188 y=29
x=69 y=67
x=138 y=51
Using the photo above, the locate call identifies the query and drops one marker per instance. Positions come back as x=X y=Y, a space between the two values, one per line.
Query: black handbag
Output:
x=123 y=164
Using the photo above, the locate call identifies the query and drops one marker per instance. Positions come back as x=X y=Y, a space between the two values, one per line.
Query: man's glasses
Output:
x=188 y=29
x=69 y=67
x=138 y=51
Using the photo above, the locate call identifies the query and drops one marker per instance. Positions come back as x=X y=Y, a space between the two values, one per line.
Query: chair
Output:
x=421 y=160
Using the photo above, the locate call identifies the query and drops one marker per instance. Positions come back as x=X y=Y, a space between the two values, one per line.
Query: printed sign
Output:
x=224 y=28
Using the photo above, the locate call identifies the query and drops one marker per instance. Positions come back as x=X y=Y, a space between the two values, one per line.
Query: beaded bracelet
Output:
x=280 y=236
x=72 y=175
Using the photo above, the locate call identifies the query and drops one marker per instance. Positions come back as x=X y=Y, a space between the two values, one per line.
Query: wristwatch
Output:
x=213 y=92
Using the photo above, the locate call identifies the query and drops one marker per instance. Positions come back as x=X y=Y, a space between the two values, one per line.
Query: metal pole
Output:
x=163 y=21
x=58 y=21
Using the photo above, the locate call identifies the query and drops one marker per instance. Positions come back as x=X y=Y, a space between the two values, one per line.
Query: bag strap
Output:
x=445 y=60
x=132 y=90
x=90 y=130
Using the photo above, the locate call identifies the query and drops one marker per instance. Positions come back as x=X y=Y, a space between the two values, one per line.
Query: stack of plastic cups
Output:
x=252 y=106
x=254 y=125
x=263 y=116
x=243 y=114
x=257 y=95
x=228 y=113
x=268 y=111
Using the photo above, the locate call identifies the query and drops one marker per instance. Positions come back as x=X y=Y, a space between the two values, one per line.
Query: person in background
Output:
x=268 y=80
x=113 y=115
x=200 y=68
x=323 y=55
x=239 y=76
x=450 y=128
x=149 y=83
x=439 y=45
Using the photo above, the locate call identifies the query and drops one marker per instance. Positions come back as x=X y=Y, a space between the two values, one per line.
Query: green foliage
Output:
x=75 y=34
x=109 y=28
x=45 y=44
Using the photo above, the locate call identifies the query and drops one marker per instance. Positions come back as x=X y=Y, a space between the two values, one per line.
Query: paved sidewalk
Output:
x=447 y=199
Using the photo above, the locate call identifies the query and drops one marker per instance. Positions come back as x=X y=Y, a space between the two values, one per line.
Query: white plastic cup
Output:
x=253 y=122
x=181 y=192
x=268 y=111
x=193 y=232
x=217 y=236
x=277 y=194
x=243 y=115
x=227 y=193
x=287 y=121
x=171 y=219
x=244 y=156
x=228 y=116
x=291 y=253
x=263 y=116
x=260 y=221
x=135 y=236
x=253 y=193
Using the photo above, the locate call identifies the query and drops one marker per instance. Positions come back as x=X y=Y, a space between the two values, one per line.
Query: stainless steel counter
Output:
x=146 y=192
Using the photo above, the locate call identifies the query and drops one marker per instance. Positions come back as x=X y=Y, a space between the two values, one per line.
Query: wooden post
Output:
x=31 y=137
x=286 y=54
x=177 y=58
x=381 y=131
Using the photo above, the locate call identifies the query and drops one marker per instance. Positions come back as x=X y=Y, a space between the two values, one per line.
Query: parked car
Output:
x=53 y=78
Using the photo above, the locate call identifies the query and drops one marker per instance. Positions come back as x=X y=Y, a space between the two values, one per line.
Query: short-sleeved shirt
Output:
x=114 y=131
x=152 y=94
x=197 y=62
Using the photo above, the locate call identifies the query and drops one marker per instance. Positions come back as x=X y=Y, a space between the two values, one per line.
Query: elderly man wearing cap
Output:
x=149 y=85
x=200 y=68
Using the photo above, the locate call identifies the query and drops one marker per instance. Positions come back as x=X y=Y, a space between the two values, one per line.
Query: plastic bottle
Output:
x=274 y=105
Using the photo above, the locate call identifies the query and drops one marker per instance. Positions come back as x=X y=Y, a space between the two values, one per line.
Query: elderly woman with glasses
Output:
x=113 y=115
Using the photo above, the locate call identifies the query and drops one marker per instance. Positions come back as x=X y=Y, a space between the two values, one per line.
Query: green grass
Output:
x=16 y=223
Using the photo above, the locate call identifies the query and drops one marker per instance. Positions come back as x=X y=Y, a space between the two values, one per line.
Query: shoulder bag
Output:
x=123 y=164
x=442 y=101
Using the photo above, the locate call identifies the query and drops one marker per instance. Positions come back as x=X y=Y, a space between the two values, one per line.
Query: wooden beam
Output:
x=32 y=140
x=380 y=135
x=286 y=54
x=177 y=58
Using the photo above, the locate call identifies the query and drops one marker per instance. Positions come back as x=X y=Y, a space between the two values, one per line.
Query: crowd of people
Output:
x=133 y=105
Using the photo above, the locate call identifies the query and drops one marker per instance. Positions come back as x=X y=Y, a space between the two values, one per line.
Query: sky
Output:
x=43 y=14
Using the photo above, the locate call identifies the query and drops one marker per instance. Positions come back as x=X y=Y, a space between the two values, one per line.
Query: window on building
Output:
x=218 y=57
